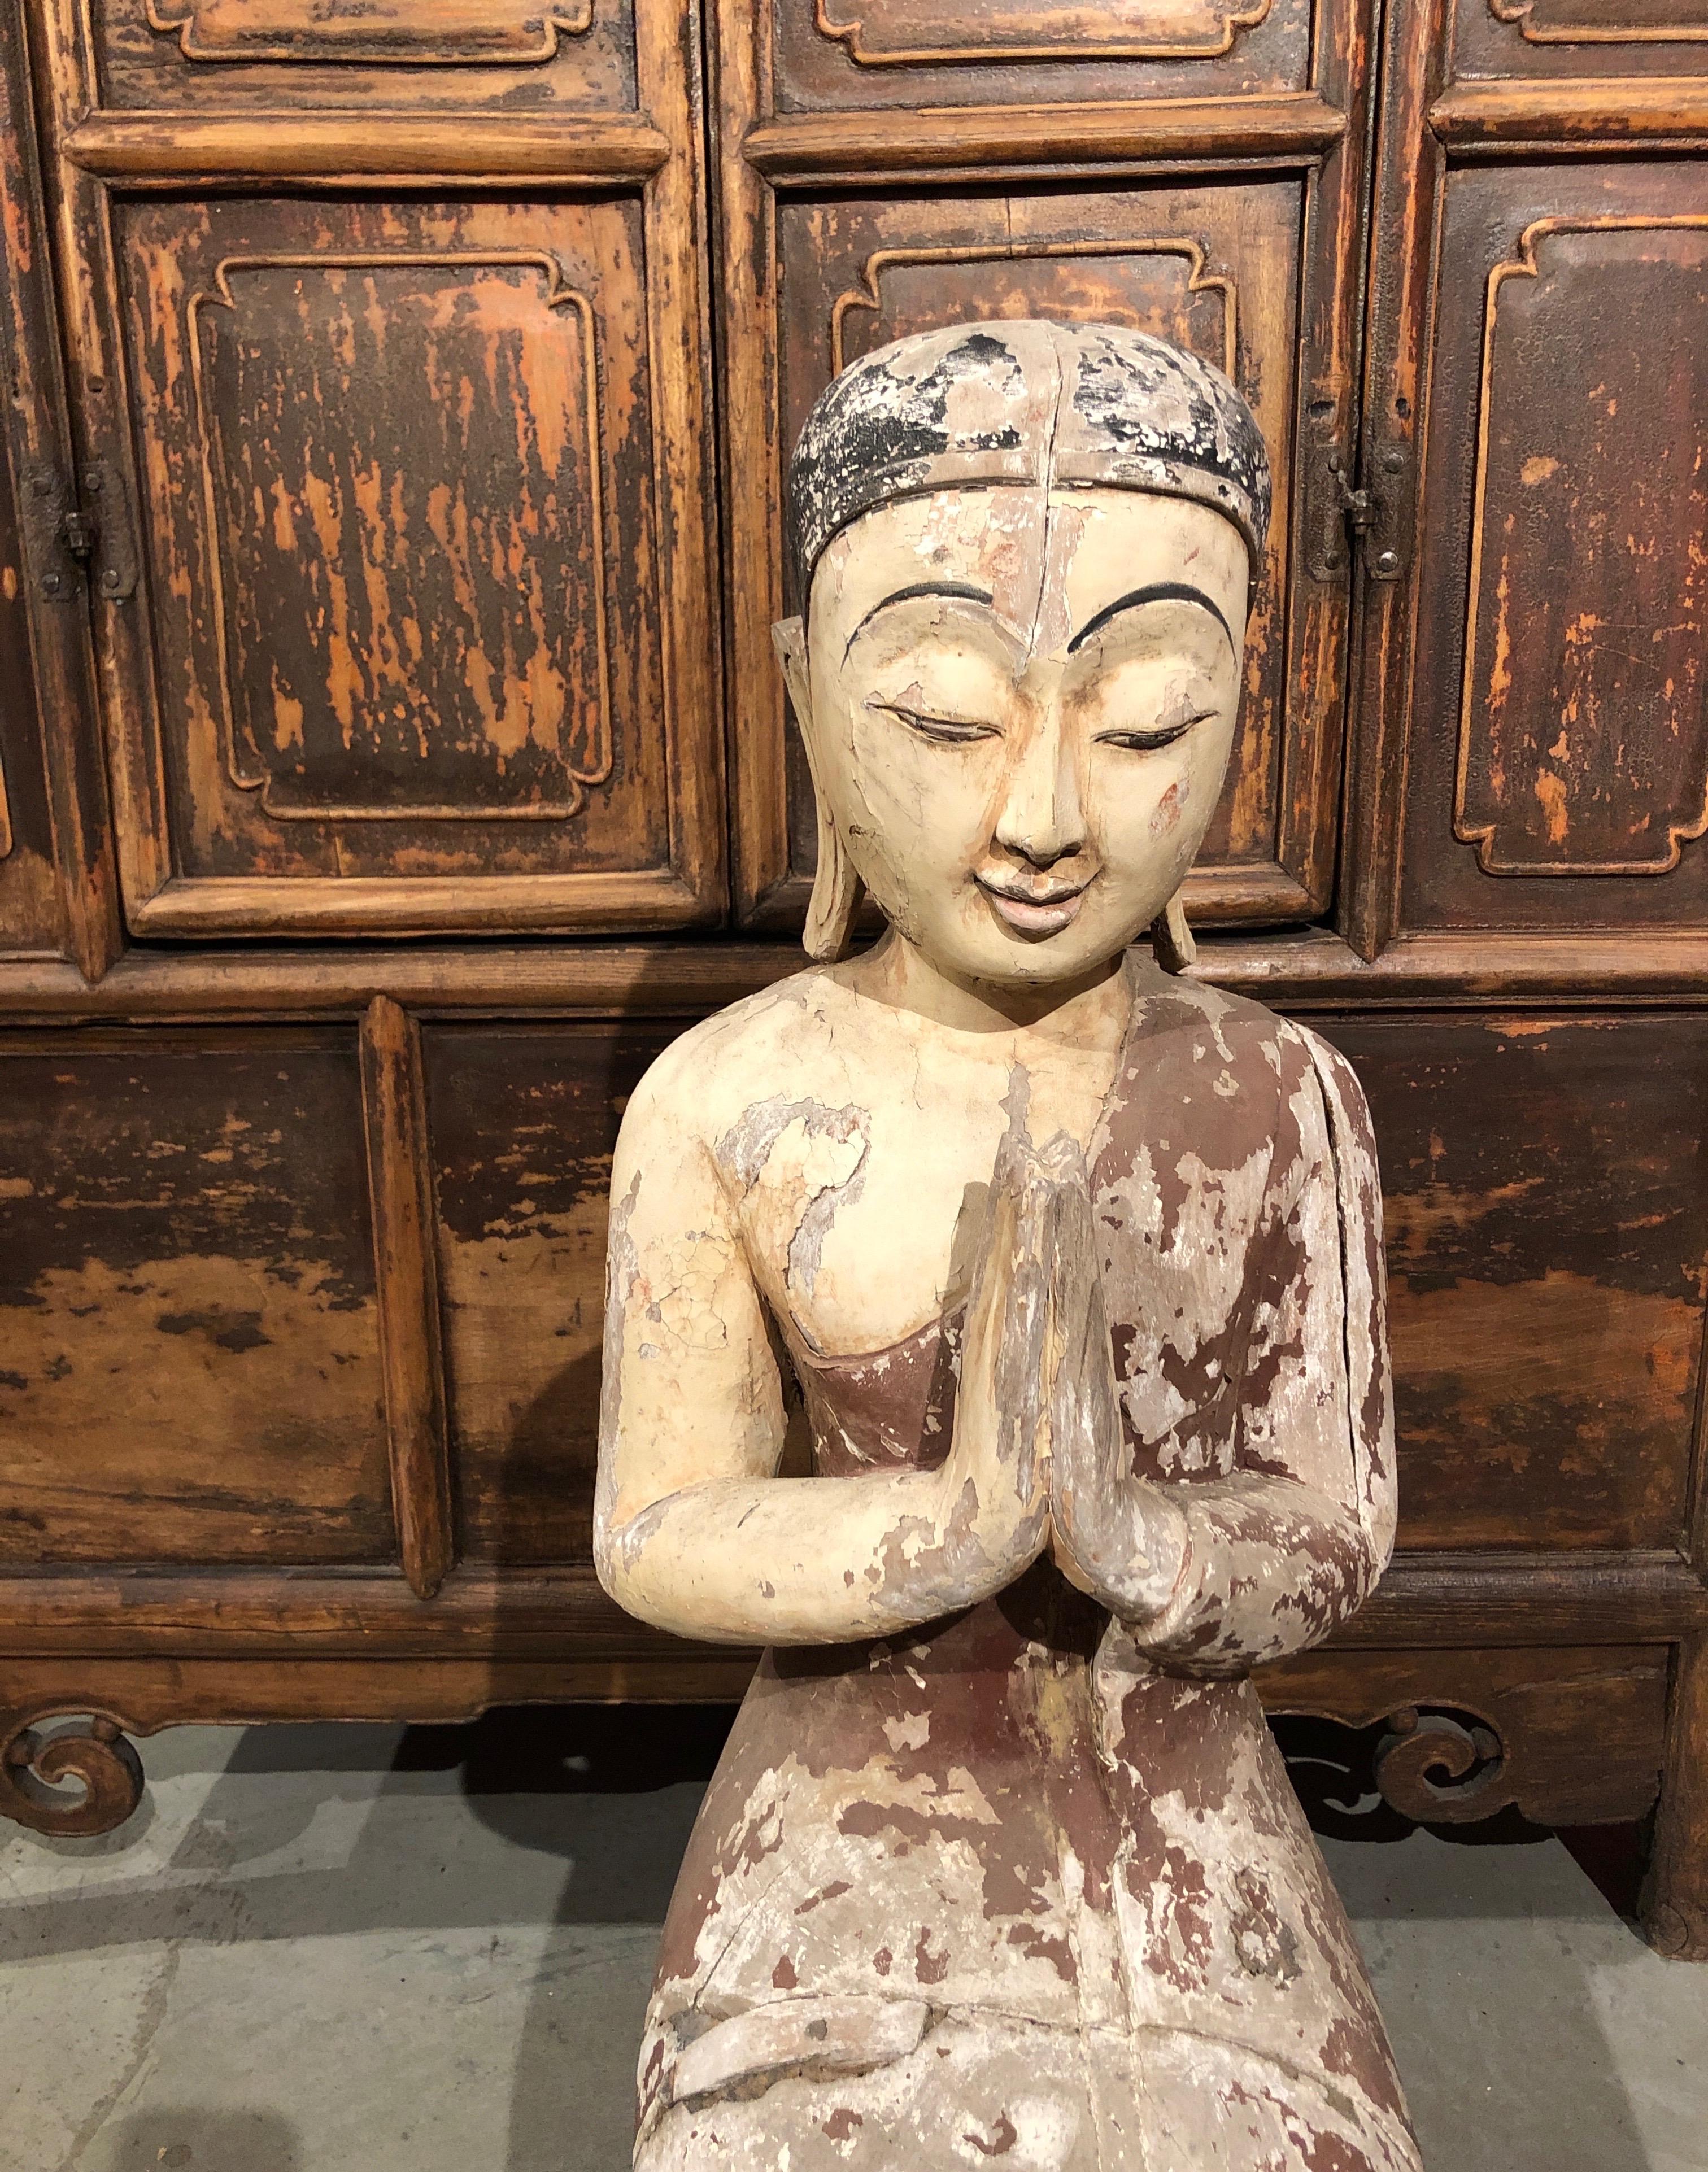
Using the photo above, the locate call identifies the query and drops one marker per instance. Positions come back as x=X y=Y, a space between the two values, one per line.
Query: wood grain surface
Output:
x=192 y=1365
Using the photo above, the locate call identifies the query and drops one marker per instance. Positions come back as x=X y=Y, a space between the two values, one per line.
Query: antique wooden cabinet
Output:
x=394 y=760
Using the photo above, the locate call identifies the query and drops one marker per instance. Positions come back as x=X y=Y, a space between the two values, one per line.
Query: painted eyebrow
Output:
x=964 y=589
x=1159 y=592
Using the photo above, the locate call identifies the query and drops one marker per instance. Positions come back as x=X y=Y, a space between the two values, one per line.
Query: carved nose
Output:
x=1042 y=818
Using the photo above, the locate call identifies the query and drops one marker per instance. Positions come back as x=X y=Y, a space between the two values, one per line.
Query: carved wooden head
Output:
x=1023 y=549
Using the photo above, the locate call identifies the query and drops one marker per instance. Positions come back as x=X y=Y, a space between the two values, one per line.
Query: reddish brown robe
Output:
x=1030 y=1887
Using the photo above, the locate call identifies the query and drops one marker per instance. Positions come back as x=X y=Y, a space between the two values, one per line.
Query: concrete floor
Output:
x=320 y=1949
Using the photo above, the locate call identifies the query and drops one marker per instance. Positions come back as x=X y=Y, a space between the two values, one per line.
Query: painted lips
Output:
x=1034 y=913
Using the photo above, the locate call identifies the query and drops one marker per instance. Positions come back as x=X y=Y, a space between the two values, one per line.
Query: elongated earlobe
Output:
x=837 y=892
x=1171 y=939
x=837 y=889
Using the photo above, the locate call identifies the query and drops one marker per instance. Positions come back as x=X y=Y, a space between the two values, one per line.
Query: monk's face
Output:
x=1019 y=706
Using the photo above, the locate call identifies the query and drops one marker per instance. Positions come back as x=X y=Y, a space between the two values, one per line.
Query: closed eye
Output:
x=1163 y=736
x=948 y=731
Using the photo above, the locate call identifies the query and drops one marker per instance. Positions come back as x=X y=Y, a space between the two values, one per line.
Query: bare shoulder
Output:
x=787 y=1040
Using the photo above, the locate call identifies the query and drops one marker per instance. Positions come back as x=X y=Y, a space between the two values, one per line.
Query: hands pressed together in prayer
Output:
x=1038 y=1457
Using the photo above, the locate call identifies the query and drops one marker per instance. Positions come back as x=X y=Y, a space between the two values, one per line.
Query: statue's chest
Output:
x=862 y=1212
x=863 y=1218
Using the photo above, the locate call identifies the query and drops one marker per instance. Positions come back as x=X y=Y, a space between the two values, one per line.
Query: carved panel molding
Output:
x=1538 y=23
x=902 y=34
x=1197 y=280
x=490 y=672
x=402 y=33
x=1586 y=554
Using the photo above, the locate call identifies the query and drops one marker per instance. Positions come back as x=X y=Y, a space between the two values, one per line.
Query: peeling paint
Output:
x=1066 y=1841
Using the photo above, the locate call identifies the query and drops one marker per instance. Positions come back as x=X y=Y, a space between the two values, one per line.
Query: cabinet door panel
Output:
x=523 y=1124
x=58 y=887
x=401 y=535
x=190 y=1347
x=1553 y=39
x=421 y=639
x=917 y=52
x=265 y=54
x=1562 y=585
x=1547 y=1226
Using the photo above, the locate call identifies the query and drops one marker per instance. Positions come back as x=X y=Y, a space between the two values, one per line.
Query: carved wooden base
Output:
x=1440 y=1765
x=1674 y=1906
x=1438 y=1737
x=1450 y=1737
x=41 y=1751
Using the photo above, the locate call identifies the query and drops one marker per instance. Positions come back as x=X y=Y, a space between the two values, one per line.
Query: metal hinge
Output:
x=1372 y=516
x=80 y=544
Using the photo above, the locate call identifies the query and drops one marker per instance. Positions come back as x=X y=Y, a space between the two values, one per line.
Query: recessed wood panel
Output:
x=1212 y=267
x=1589 y=755
x=468 y=677
x=1546 y=1207
x=1602 y=22
x=250 y=53
x=188 y=1367
x=878 y=52
x=1551 y=39
x=1559 y=771
x=401 y=541
x=898 y=33
x=523 y=1124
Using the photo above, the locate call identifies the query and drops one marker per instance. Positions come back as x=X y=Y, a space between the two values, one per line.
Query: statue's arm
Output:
x=1225 y=1573
x=693 y=1531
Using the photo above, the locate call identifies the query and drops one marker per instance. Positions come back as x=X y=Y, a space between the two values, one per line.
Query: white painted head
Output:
x=1026 y=552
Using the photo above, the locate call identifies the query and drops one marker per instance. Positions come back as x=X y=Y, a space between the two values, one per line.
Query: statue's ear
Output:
x=1171 y=939
x=836 y=887
x=789 y=638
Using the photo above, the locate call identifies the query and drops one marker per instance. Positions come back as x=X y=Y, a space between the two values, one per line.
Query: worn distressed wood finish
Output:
x=1546 y=1230
x=1496 y=1731
x=400 y=1193
x=432 y=54
x=1072 y=1269
x=1547 y=782
x=523 y=1122
x=843 y=53
x=32 y=918
x=58 y=882
x=191 y=1363
x=1563 y=501
x=1675 y=1899
x=422 y=638
x=1566 y=41
x=1538 y=1707
x=1258 y=275
x=406 y=652
x=1539 y=791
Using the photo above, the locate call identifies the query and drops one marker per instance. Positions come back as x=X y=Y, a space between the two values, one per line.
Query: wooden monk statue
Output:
x=995 y=1334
